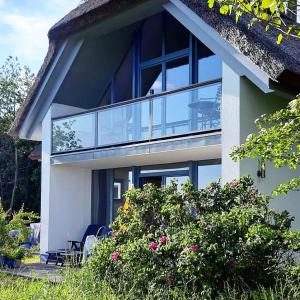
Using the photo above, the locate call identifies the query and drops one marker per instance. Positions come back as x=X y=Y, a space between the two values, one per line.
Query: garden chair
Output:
x=75 y=250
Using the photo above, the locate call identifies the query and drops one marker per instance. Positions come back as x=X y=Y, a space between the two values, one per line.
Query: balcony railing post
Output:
x=150 y=119
x=96 y=129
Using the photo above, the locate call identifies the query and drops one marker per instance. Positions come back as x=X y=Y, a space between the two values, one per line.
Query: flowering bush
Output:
x=199 y=238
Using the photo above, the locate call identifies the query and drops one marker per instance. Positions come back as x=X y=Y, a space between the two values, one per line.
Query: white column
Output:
x=230 y=122
x=65 y=197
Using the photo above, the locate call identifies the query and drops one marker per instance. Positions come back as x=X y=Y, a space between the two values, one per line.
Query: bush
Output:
x=199 y=240
x=18 y=222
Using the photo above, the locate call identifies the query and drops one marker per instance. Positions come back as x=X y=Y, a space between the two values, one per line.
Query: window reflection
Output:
x=208 y=174
x=152 y=80
x=179 y=179
x=122 y=183
x=177 y=73
x=209 y=65
x=73 y=133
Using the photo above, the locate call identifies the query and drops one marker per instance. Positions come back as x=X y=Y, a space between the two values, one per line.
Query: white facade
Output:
x=66 y=189
x=87 y=60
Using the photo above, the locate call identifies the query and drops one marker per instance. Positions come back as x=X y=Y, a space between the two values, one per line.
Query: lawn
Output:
x=82 y=288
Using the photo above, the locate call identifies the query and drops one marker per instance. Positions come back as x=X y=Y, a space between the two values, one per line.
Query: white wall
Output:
x=230 y=122
x=242 y=103
x=66 y=194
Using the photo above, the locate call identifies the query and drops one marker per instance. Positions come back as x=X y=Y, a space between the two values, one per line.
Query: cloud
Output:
x=24 y=29
x=26 y=36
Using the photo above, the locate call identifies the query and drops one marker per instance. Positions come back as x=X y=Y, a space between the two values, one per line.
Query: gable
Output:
x=244 y=50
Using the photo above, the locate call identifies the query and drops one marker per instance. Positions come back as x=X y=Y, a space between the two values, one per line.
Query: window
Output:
x=177 y=36
x=179 y=179
x=177 y=75
x=151 y=80
x=122 y=183
x=106 y=98
x=123 y=79
x=207 y=174
x=151 y=38
x=209 y=65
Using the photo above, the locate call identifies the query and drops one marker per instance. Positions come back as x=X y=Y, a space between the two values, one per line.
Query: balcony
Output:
x=192 y=110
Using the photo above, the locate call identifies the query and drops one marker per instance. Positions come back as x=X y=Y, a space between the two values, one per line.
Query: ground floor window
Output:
x=208 y=171
x=112 y=184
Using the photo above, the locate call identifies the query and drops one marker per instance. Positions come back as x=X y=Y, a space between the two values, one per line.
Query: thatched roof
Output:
x=281 y=63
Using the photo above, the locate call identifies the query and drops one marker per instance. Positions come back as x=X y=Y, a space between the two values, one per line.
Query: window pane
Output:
x=123 y=83
x=151 y=81
x=209 y=65
x=179 y=179
x=208 y=174
x=73 y=133
x=152 y=35
x=206 y=107
x=122 y=183
x=106 y=97
x=123 y=124
x=177 y=36
x=178 y=73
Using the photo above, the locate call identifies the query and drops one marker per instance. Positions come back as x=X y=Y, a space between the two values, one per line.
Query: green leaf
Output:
x=211 y=3
x=266 y=4
x=279 y=39
x=224 y=9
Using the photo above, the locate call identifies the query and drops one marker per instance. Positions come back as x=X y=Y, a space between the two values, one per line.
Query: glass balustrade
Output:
x=73 y=133
x=177 y=113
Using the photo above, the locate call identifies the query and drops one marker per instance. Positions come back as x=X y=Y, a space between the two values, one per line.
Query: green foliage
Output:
x=198 y=240
x=270 y=13
x=18 y=183
x=277 y=141
x=80 y=286
x=20 y=220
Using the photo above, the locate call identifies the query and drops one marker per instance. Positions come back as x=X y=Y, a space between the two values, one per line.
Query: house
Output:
x=141 y=91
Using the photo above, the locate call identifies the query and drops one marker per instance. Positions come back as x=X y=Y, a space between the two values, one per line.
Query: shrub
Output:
x=196 y=239
x=10 y=243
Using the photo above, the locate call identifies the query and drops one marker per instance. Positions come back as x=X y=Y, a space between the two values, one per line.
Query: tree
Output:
x=278 y=137
x=15 y=166
x=278 y=141
x=278 y=14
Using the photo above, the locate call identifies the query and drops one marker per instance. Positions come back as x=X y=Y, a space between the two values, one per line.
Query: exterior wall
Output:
x=242 y=103
x=230 y=122
x=66 y=195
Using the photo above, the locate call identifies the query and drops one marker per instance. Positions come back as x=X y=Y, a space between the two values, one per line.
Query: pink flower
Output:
x=195 y=248
x=113 y=234
x=116 y=256
x=153 y=246
x=234 y=183
x=186 y=250
x=163 y=239
x=169 y=280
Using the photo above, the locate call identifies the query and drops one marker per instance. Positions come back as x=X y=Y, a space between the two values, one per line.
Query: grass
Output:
x=81 y=287
x=31 y=260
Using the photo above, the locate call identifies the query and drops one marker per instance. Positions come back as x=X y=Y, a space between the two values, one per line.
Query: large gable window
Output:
x=164 y=56
x=209 y=65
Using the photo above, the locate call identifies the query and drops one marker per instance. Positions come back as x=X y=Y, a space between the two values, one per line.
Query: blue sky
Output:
x=24 y=25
